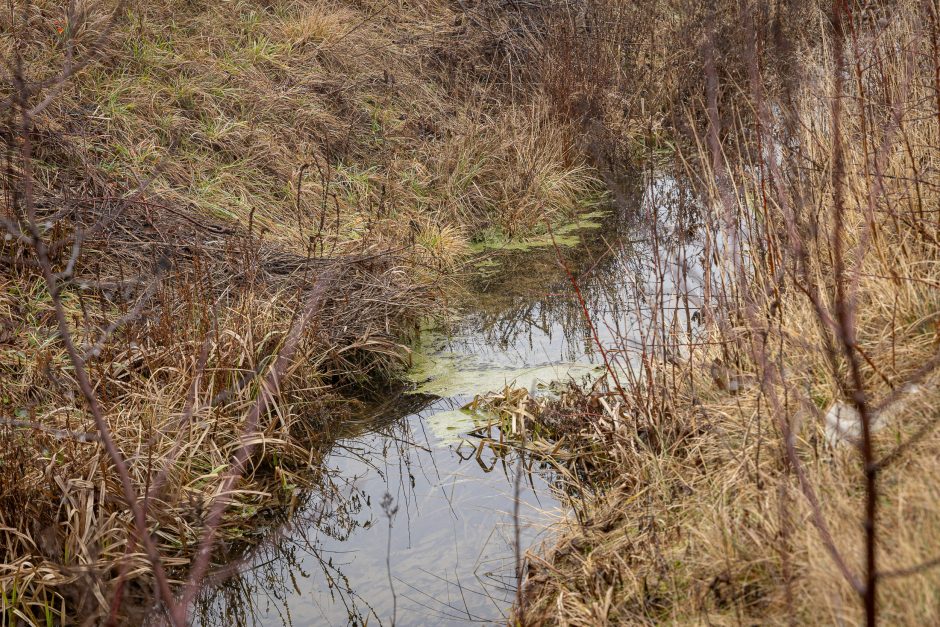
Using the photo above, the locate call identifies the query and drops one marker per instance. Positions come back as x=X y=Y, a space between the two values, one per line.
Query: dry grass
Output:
x=270 y=145
x=237 y=100
x=696 y=510
x=710 y=527
x=511 y=172
x=176 y=387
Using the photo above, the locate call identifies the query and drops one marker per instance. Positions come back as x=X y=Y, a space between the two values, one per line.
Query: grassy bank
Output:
x=218 y=218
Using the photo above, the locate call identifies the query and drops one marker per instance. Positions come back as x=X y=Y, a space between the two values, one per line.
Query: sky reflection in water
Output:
x=450 y=551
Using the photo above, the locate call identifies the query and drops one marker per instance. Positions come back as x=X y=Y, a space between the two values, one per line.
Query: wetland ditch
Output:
x=414 y=522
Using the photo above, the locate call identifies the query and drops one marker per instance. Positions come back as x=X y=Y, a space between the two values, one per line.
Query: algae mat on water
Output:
x=565 y=235
x=462 y=376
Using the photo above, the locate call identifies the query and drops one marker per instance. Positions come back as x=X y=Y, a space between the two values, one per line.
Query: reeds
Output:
x=218 y=219
x=725 y=497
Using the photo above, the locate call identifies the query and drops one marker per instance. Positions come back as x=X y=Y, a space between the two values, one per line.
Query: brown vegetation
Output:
x=719 y=484
x=218 y=216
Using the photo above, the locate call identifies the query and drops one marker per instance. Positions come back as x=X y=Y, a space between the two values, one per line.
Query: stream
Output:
x=410 y=526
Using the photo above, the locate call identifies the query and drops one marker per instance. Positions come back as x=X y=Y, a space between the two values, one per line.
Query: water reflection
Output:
x=449 y=551
x=635 y=274
x=408 y=524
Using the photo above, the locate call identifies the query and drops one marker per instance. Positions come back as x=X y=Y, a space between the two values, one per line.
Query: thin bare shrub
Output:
x=162 y=370
x=767 y=459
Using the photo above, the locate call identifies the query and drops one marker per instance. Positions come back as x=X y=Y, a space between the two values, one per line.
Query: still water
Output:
x=409 y=526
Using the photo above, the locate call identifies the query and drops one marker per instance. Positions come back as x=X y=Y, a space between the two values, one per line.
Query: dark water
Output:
x=409 y=525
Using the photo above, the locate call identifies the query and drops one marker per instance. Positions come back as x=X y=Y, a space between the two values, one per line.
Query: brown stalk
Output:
x=608 y=365
x=267 y=393
x=845 y=316
x=81 y=375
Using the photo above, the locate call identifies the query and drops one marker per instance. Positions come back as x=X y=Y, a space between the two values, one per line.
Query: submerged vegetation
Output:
x=223 y=221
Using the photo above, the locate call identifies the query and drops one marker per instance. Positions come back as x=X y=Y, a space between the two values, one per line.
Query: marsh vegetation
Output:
x=635 y=307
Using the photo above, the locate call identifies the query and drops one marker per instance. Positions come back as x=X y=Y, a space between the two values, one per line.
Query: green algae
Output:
x=440 y=370
x=448 y=374
x=566 y=235
x=450 y=426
